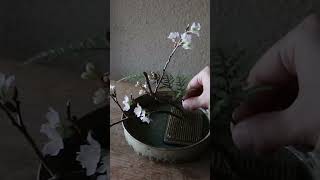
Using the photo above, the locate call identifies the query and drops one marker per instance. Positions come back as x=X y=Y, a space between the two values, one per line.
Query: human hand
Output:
x=198 y=91
x=292 y=66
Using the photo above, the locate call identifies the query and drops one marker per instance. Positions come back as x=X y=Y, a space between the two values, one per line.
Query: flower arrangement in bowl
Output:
x=155 y=123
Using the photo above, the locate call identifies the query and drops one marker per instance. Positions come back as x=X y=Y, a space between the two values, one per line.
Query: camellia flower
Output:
x=55 y=144
x=186 y=40
x=89 y=155
x=141 y=113
x=126 y=103
x=100 y=96
x=195 y=28
x=173 y=36
x=5 y=84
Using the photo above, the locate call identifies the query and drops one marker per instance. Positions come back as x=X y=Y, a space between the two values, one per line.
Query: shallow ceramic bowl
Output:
x=147 y=139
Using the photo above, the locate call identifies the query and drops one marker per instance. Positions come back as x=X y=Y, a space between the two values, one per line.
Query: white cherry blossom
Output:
x=195 y=28
x=173 y=36
x=89 y=155
x=55 y=144
x=100 y=96
x=126 y=103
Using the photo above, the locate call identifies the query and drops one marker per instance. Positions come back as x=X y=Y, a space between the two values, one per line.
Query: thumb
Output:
x=193 y=103
x=263 y=132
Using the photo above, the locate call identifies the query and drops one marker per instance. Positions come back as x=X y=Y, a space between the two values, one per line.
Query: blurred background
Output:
x=255 y=25
x=139 y=31
x=29 y=27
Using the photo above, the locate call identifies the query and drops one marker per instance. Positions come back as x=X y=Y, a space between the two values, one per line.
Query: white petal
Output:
x=141 y=92
x=102 y=177
x=53 y=117
x=100 y=96
x=50 y=131
x=145 y=85
x=126 y=103
x=186 y=46
x=90 y=67
x=53 y=147
x=137 y=110
x=186 y=38
x=195 y=27
x=173 y=35
x=112 y=88
x=89 y=155
x=146 y=119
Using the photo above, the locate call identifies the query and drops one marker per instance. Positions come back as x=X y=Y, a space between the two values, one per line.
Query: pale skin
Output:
x=292 y=65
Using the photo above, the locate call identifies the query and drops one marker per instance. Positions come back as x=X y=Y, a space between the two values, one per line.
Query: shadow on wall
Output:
x=28 y=27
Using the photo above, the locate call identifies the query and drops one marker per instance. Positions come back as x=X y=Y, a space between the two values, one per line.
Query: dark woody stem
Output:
x=117 y=102
x=126 y=118
x=148 y=83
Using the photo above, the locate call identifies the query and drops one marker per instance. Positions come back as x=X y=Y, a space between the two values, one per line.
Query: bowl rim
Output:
x=173 y=148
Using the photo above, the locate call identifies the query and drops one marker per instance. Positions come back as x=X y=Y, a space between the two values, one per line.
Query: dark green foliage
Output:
x=90 y=44
x=174 y=83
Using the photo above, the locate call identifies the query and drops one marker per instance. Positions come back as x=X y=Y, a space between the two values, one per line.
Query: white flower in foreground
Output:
x=89 y=155
x=186 y=40
x=173 y=36
x=100 y=96
x=5 y=84
x=141 y=113
x=195 y=28
x=126 y=103
x=55 y=144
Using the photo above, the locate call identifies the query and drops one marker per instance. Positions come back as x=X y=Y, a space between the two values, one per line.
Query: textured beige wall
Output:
x=139 y=30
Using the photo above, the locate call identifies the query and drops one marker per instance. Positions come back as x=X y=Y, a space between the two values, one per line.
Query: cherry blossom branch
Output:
x=26 y=134
x=166 y=66
x=126 y=118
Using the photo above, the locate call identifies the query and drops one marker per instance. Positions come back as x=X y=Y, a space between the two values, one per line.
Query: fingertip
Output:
x=242 y=137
